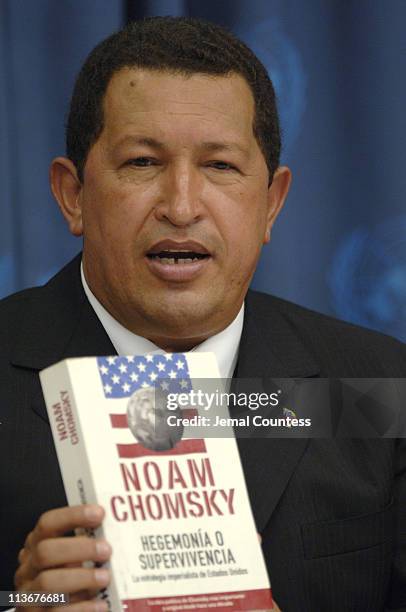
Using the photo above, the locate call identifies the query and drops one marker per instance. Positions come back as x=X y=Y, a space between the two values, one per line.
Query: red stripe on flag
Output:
x=259 y=599
x=188 y=413
x=119 y=421
x=184 y=447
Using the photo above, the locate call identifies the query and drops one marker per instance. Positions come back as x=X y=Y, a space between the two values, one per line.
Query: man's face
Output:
x=175 y=205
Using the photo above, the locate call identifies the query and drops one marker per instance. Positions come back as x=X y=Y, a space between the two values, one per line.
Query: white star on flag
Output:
x=122 y=376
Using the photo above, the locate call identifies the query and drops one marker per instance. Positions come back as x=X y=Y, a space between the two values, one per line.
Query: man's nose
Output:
x=180 y=198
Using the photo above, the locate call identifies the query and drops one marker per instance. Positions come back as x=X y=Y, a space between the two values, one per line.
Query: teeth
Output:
x=167 y=260
x=172 y=260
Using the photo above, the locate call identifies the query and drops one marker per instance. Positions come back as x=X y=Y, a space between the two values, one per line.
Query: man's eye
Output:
x=221 y=165
x=141 y=162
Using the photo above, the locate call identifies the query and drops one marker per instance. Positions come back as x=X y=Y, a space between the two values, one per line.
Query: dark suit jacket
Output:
x=332 y=513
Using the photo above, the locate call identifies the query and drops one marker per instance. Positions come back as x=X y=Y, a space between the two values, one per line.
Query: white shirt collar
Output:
x=224 y=345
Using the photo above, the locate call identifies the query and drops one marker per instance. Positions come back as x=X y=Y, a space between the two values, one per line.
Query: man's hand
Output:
x=52 y=563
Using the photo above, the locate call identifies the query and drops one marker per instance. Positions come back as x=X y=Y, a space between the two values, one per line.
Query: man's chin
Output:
x=180 y=321
x=189 y=322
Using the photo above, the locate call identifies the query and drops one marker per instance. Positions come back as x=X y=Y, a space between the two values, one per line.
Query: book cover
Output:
x=178 y=515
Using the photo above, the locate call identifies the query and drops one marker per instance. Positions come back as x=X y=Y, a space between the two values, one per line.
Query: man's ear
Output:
x=67 y=190
x=277 y=193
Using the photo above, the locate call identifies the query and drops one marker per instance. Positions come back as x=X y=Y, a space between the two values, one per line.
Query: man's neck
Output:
x=223 y=344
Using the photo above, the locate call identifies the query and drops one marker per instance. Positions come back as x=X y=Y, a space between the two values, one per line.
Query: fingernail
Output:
x=100 y=606
x=103 y=548
x=101 y=576
x=92 y=512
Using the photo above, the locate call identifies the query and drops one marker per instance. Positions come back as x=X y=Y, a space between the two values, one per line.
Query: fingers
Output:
x=54 y=552
x=56 y=522
x=51 y=563
x=81 y=584
x=69 y=552
x=71 y=580
x=61 y=551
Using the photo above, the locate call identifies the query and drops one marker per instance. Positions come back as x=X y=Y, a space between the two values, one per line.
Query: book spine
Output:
x=70 y=447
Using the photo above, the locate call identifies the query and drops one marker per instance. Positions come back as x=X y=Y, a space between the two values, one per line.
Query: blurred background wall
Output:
x=339 y=72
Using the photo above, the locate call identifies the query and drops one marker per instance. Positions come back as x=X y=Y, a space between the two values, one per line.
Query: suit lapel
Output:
x=61 y=324
x=270 y=349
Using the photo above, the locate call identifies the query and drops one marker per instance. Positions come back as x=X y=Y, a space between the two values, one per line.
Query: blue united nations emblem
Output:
x=368 y=277
x=284 y=64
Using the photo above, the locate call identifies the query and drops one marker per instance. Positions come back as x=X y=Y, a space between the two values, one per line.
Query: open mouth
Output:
x=177 y=257
x=178 y=262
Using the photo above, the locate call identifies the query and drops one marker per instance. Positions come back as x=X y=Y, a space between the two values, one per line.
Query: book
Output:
x=178 y=515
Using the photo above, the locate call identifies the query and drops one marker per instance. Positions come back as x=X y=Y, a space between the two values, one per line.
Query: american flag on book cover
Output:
x=127 y=377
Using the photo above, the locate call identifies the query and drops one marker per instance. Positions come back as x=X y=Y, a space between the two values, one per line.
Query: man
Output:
x=147 y=416
x=172 y=177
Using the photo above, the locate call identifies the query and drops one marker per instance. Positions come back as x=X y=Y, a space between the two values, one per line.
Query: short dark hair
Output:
x=171 y=44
